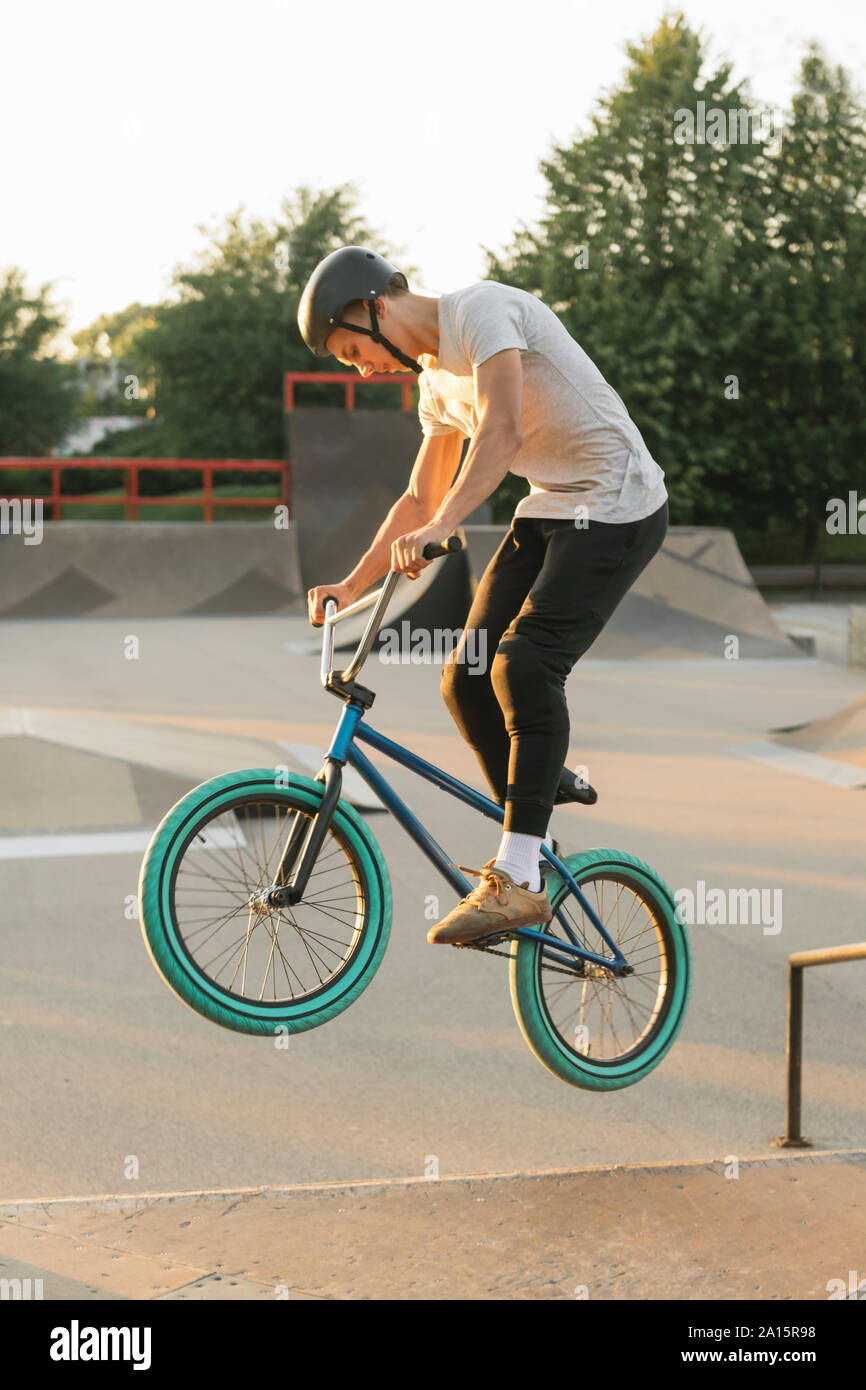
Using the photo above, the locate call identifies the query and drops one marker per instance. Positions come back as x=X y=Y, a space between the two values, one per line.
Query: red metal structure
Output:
x=131 y=468
x=349 y=380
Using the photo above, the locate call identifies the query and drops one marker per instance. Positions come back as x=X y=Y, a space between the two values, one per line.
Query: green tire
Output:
x=527 y=995
x=165 y=944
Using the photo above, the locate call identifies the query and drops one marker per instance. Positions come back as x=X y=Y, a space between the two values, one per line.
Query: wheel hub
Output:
x=260 y=903
x=591 y=971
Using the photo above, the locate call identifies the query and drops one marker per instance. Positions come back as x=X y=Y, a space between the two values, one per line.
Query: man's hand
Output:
x=343 y=593
x=407 y=552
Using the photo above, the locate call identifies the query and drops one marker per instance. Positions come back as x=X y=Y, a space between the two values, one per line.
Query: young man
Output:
x=496 y=366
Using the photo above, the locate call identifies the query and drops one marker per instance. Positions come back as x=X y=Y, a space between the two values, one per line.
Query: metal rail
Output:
x=349 y=380
x=132 y=499
x=833 y=955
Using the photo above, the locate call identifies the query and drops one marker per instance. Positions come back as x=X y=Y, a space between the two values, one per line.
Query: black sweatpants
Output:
x=542 y=601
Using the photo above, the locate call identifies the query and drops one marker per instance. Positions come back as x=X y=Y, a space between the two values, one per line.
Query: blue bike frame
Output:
x=343 y=750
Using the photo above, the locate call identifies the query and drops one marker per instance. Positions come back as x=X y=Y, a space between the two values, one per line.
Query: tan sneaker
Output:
x=496 y=906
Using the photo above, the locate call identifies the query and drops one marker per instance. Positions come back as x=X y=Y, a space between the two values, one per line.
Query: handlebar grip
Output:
x=328 y=598
x=433 y=552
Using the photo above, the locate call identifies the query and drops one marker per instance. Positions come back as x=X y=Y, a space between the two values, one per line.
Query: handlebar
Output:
x=381 y=598
x=431 y=551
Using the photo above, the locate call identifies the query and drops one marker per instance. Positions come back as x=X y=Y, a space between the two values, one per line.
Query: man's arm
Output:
x=496 y=442
x=495 y=445
x=435 y=466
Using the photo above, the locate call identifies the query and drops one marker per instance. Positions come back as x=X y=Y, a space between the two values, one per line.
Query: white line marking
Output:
x=803 y=764
x=15 y=722
x=355 y=789
x=63 y=846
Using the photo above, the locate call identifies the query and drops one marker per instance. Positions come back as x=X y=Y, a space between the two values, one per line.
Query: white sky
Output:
x=125 y=125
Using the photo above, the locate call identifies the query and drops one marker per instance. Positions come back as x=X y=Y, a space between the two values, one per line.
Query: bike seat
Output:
x=570 y=789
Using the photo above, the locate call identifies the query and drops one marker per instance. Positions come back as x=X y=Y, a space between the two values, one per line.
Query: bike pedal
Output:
x=484 y=942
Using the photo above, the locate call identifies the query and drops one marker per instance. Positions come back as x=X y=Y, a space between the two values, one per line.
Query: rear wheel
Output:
x=247 y=968
x=594 y=1029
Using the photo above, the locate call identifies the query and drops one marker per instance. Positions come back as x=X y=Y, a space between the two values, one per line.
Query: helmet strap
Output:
x=373 y=332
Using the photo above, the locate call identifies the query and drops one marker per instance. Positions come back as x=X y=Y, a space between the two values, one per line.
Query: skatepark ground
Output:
x=427 y=1073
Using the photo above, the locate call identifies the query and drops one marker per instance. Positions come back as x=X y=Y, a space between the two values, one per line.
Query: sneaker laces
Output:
x=487 y=874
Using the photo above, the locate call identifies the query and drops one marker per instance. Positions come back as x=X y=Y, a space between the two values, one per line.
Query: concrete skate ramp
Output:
x=144 y=569
x=348 y=469
x=66 y=770
x=51 y=787
x=691 y=599
x=668 y=1231
x=482 y=543
x=840 y=736
x=437 y=600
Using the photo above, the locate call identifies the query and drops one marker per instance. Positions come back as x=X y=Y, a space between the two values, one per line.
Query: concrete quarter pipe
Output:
x=113 y=569
x=690 y=600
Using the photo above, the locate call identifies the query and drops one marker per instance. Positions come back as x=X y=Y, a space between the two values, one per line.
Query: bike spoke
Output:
x=616 y=1011
x=228 y=864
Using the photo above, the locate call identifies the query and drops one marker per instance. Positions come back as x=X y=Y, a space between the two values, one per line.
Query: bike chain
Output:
x=489 y=950
x=506 y=955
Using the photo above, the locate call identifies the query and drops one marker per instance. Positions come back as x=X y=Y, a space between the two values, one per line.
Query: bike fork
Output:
x=305 y=840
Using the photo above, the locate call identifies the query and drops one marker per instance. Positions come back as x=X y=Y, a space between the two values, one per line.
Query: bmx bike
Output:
x=265 y=903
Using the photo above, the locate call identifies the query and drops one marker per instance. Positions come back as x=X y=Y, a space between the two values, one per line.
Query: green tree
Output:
x=116 y=375
x=38 y=397
x=221 y=347
x=644 y=252
x=724 y=294
x=809 y=340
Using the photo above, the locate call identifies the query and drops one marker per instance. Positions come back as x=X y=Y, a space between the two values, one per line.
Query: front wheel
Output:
x=251 y=969
x=596 y=1030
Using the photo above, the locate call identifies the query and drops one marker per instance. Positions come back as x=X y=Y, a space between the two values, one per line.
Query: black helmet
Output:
x=345 y=275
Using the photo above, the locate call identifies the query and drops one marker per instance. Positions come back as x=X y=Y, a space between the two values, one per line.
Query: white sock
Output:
x=518 y=855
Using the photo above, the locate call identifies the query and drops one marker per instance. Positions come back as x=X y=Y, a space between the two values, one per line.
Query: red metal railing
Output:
x=132 y=499
x=131 y=468
x=350 y=380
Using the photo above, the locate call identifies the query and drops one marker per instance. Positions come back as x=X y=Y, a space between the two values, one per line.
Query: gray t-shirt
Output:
x=580 y=445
